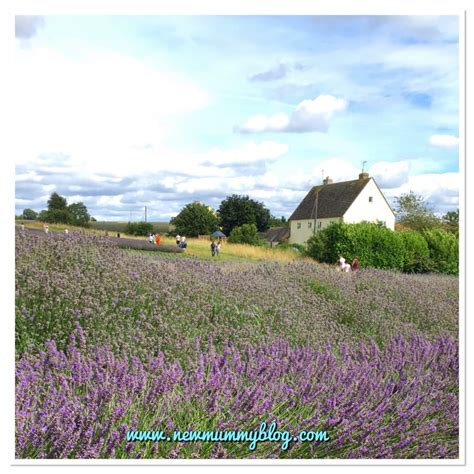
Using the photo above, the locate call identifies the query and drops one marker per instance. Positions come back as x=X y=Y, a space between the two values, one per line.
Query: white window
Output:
x=371 y=199
x=298 y=225
x=310 y=225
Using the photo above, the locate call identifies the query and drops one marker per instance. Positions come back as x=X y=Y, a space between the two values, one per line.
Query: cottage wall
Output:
x=302 y=230
x=365 y=209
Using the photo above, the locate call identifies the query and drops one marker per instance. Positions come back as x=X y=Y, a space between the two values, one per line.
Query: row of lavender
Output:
x=107 y=342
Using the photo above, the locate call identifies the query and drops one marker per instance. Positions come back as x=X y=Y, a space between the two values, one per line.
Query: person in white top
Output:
x=218 y=248
x=178 y=239
x=66 y=231
x=342 y=262
x=347 y=267
x=151 y=238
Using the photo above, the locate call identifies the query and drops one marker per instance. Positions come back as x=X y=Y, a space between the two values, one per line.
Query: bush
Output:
x=443 y=249
x=245 y=234
x=411 y=251
x=417 y=254
x=374 y=245
x=139 y=228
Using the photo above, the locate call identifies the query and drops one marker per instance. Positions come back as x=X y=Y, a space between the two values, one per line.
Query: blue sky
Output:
x=127 y=112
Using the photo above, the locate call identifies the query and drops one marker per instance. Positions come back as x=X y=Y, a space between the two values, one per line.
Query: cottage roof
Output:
x=334 y=199
x=275 y=234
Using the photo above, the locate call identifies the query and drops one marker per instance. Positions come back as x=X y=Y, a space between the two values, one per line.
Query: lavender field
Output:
x=108 y=341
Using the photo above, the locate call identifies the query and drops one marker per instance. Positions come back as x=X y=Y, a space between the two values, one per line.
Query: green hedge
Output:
x=444 y=250
x=379 y=247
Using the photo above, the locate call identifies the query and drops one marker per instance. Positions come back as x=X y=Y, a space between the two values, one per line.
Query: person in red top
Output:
x=355 y=264
x=157 y=239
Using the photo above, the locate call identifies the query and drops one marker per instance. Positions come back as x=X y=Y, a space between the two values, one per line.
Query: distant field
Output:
x=112 y=226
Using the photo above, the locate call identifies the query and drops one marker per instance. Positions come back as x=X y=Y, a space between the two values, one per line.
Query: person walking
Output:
x=46 y=228
x=157 y=239
x=218 y=248
x=66 y=231
x=22 y=227
x=213 y=248
x=183 y=244
x=355 y=264
x=151 y=238
x=178 y=240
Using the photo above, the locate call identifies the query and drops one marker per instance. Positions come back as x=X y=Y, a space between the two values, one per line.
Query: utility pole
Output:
x=315 y=210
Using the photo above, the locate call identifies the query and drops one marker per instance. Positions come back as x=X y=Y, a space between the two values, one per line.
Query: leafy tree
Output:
x=414 y=213
x=59 y=216
x=195 y=219
x=29 y=214
x=57 y=202
x=79 y=214
x=277 y=222
x=451 y=221
x=237 y=210
x=139 y=228
x=43 y=216
x=245 y=234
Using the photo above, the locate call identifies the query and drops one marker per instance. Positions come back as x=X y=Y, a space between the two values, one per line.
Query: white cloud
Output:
x=97 y=108
x=248 y=153
x=390 y=174
x=309 y=116
x=444 y=141
x=441 y=190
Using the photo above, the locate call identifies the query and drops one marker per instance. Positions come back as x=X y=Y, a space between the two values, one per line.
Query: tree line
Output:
x=60 y=212
x=238 y=217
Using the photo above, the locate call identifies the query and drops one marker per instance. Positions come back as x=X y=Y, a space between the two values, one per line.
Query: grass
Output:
x=199 y=248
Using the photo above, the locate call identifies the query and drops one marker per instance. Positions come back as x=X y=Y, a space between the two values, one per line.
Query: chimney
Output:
x=327 y=180
x=364 y=175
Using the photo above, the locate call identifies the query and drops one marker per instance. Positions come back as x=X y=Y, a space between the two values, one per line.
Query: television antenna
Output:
x=363 y=165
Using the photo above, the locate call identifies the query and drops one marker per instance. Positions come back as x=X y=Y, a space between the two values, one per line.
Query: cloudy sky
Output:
x=126 y=112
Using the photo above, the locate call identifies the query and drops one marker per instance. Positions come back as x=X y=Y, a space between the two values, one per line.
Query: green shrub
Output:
x=139 y=228
x=443 y=250
x=374 y=245
x=245 y=234
x=417 y=254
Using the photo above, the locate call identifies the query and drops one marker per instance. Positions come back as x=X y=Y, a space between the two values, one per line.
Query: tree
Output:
x=80 y=215
x=277 y=221
x=43 y=216
x=57 y=203
x=245 y=234
x=414 y=213
x=195 y=219
x=139 y=228
x=237 y=210
x=29 y=214
x=451 y=221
